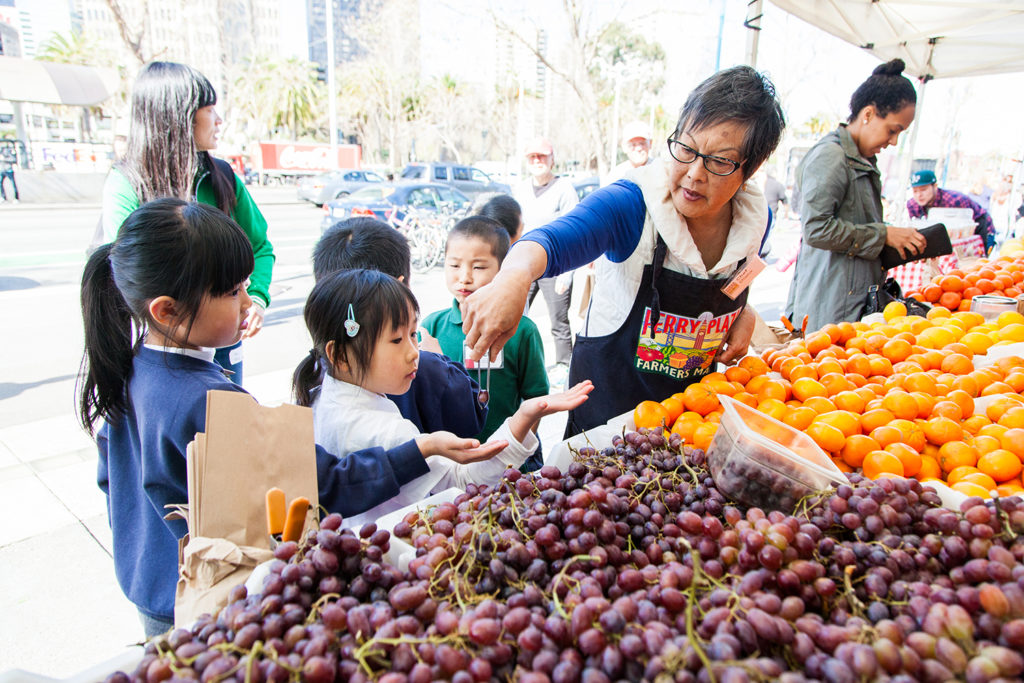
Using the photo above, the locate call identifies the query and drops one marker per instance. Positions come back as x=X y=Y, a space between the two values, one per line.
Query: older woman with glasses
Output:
x=670 y=240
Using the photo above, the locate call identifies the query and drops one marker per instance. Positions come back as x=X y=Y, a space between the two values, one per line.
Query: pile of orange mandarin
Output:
x=954 y=290
x=897 y=398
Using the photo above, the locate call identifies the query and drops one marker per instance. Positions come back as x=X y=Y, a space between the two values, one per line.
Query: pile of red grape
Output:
x=632 y=565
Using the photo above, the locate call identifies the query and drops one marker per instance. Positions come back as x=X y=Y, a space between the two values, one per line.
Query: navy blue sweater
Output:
x=142 y=469
x=442 y=398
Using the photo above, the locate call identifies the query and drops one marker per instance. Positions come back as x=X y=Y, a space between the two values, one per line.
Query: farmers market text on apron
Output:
x=669 y=340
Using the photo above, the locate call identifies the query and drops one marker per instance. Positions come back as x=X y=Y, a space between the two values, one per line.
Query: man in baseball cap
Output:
x=636 y=144
x=928 y=194
x=544 y=197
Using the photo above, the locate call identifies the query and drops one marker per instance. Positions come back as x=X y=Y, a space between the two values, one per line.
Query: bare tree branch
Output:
x=133 y=44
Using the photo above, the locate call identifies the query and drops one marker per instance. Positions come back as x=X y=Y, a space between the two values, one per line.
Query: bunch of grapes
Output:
x=634 y=565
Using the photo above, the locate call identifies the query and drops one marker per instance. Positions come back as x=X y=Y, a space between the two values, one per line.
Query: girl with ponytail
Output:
x=156 y=303
x=841 y=204
x=364 y=329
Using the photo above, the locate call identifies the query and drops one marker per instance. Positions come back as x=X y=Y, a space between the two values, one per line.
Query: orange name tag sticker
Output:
x=742 y=278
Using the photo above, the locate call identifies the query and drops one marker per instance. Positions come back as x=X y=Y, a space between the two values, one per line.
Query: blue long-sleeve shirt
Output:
x=142 y=469
x=608 y=222
x=442 y=398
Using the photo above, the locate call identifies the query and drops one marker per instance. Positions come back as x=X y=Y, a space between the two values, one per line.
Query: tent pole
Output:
x=753 y=26
x=907 y=159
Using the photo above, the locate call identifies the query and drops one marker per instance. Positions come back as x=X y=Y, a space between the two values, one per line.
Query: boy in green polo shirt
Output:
x=473 y=254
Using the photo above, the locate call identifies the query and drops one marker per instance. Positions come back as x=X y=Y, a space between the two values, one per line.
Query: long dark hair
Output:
x=378 y=302
x=167 y=247
x=161 y=159
x=886 y=88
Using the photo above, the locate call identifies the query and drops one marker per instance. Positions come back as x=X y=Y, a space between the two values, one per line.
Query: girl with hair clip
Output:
x=155 y=304
x=364 y=329
x=841 y=204
x=173 y=129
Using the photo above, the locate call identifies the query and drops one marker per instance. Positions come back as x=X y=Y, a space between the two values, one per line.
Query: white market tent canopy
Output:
x=28 y=80
x=936 y=38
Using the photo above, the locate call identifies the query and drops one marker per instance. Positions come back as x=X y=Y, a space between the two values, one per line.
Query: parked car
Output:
x=335 y=184
x=585 y=186
x=390 y=201
x=470 y=180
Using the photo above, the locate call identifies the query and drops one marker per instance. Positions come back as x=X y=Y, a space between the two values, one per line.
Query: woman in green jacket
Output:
x=841 y=204
x=174 y=126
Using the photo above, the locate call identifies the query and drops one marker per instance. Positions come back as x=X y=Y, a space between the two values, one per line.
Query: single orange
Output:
x=963 y=399
x=1013 y=441
x=856 y=448
x=820 y=404
x=919 y=381
x=970 y=489
x=827 y=436
x=974 y=423
x=901 y=404
x=885 y=435
x=849 y=400
x=877 y=417
x=957 y=364
x=948 y=409
x=877 y=463
x=959 y=473
x=981 y=479
x=754 y=365
x=957 y=454
x=985 y=443
x=925 y=403
x=910 y=458
x=703 y=435
x=773 y=407
x=746 y=397
x=774 y=388
x=738 y=373
x=799 y=418
x=913 y=434
x=651 y=414
x=929 y=469
x=940 y=430
x=805 y=387
x=1013 y=417
x=674 y=407
x=685 y=428
x=846 y=422
x=700 y=398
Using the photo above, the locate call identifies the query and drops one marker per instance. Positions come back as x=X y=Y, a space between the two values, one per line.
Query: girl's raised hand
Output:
x=536 y=408
x=462 y=451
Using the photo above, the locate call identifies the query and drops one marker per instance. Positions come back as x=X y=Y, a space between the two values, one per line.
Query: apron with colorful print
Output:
x=669 y=340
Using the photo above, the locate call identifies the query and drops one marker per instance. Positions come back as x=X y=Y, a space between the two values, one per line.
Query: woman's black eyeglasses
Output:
x=688 y=155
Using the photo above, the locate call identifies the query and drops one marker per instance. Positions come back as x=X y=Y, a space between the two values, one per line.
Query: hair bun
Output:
x=894 y=67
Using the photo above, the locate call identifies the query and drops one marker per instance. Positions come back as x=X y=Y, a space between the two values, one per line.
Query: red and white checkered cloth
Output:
x=915 y=275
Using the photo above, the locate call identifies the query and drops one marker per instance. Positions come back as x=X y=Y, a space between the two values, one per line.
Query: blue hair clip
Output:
x=351 y=326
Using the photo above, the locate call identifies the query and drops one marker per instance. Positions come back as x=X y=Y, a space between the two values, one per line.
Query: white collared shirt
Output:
x=348 y=418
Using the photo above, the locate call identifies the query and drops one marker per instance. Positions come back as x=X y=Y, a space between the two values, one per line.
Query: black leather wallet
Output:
x=938 y=244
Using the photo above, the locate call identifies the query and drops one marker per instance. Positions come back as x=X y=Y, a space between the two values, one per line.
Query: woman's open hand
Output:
x=905 y=240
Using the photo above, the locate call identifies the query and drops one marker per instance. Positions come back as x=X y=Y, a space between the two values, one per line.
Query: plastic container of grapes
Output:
x=759 y=461
x=400 y=552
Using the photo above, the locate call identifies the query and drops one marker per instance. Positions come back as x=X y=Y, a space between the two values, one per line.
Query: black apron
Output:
x=636 y=363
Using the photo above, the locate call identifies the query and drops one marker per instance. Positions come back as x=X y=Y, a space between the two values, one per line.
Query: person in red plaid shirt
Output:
x=928 y=194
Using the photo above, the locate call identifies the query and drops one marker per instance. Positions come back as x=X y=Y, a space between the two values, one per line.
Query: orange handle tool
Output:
x=276 y=505
x=296 y=519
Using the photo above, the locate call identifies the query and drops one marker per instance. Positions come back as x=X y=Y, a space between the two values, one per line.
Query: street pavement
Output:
x=61 y=610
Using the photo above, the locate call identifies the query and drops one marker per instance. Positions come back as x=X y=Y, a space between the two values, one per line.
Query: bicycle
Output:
x=426 y=232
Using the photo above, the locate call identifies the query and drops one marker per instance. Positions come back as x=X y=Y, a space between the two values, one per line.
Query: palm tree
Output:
x=275 y=94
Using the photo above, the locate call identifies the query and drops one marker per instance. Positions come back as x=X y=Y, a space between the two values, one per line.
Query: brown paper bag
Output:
x=209 y=569
x=246 y=449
